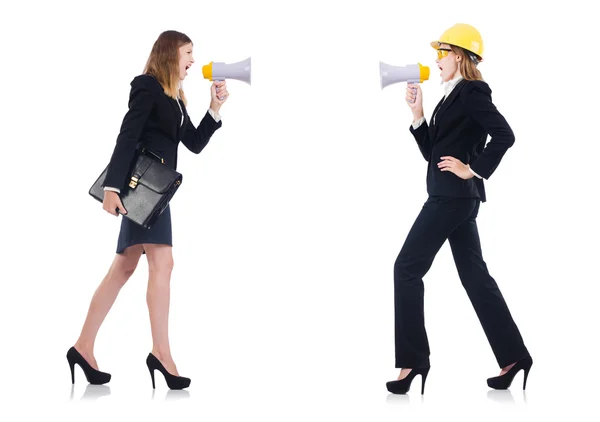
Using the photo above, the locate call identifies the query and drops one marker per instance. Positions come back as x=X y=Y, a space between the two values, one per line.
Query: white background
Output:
x=288 y=224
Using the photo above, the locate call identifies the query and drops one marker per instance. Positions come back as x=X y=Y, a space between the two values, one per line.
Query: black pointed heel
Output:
x=403 y=386
x=174 y=382
x=93 y=376
x=503 y=382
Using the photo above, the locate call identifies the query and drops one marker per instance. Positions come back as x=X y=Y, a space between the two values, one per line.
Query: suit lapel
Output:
x=435 y=110
x=434 y=118
x=446 y=104
x=175 y=108
x=177 y=113
x=185 y=118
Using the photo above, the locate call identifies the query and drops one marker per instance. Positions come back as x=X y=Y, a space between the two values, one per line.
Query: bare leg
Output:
x=120 y=271
x=507 y=368
x=160 y=264
x=403 y=373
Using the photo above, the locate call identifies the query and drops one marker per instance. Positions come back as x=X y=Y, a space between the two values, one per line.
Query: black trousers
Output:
x=444 y=218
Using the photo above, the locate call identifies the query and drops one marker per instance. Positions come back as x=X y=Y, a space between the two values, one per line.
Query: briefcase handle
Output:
x=155 y=155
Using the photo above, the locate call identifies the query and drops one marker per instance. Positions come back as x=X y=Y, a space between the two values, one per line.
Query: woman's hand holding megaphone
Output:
x=414 y=99
x=218 y=95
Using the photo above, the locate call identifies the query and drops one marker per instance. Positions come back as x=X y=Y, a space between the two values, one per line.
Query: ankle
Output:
x=162 y=355
x=84 y=347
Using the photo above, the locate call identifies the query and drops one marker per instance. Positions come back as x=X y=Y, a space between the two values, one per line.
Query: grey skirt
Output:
x=134 y=234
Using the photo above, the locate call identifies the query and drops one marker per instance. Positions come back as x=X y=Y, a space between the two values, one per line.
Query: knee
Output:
x=477 y=281
x=402 y=273
x=122 y=271
x=161 y=267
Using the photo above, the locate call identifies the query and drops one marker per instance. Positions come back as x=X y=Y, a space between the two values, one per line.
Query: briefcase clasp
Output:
x=134 y=181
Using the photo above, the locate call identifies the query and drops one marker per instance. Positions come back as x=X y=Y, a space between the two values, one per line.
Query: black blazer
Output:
x=154 y=121
x=462 y=123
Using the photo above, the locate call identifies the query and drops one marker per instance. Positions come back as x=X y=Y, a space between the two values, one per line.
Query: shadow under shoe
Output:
x=174 y=382
x=403 y=386
x=503 y=382
x=93 y=376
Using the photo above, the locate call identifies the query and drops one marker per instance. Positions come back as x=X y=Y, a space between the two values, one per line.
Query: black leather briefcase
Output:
x=151 y=186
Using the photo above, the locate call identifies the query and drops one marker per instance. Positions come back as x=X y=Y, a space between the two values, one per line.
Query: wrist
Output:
x=215 y=107
x=417 y=114
x=470 y=172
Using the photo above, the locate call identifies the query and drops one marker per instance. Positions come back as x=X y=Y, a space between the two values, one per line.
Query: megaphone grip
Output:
x=414 y=90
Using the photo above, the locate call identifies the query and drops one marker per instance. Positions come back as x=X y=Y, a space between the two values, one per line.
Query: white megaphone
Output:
x=219 y=71
x=412 y=74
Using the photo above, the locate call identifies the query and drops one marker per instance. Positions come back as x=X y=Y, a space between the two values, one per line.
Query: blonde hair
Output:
x=163 y=62
x=468 y=67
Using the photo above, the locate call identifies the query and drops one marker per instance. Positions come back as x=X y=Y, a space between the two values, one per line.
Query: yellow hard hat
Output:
x=464 y=36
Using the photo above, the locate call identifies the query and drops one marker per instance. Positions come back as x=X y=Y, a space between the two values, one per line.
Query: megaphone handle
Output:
x=414 y=90
x=218 y=80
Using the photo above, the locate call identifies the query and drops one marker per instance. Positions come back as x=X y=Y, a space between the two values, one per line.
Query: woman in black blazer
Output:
x=157 y=120
x=454 y=145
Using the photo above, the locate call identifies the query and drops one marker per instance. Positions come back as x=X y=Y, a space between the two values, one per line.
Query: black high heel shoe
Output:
x=93 y=375
x=174 y=382
x=402 y=386
x=502 y=382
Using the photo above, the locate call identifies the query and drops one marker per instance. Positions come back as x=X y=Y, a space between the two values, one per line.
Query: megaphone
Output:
x=412 y=74
x=219 y=71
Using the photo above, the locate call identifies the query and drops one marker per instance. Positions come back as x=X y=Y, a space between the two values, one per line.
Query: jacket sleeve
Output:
x=195 y=139
x=142 y=97
x=477 y=99
x=421 y=135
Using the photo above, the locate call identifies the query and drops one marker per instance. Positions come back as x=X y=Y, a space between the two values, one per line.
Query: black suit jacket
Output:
x=154 y=121
x=462 y=123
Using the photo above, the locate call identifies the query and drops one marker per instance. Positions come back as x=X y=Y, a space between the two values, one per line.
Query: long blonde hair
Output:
x=163 y=62
x=468 y=68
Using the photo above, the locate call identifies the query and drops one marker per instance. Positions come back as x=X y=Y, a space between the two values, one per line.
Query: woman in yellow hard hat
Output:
x=454 y=145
